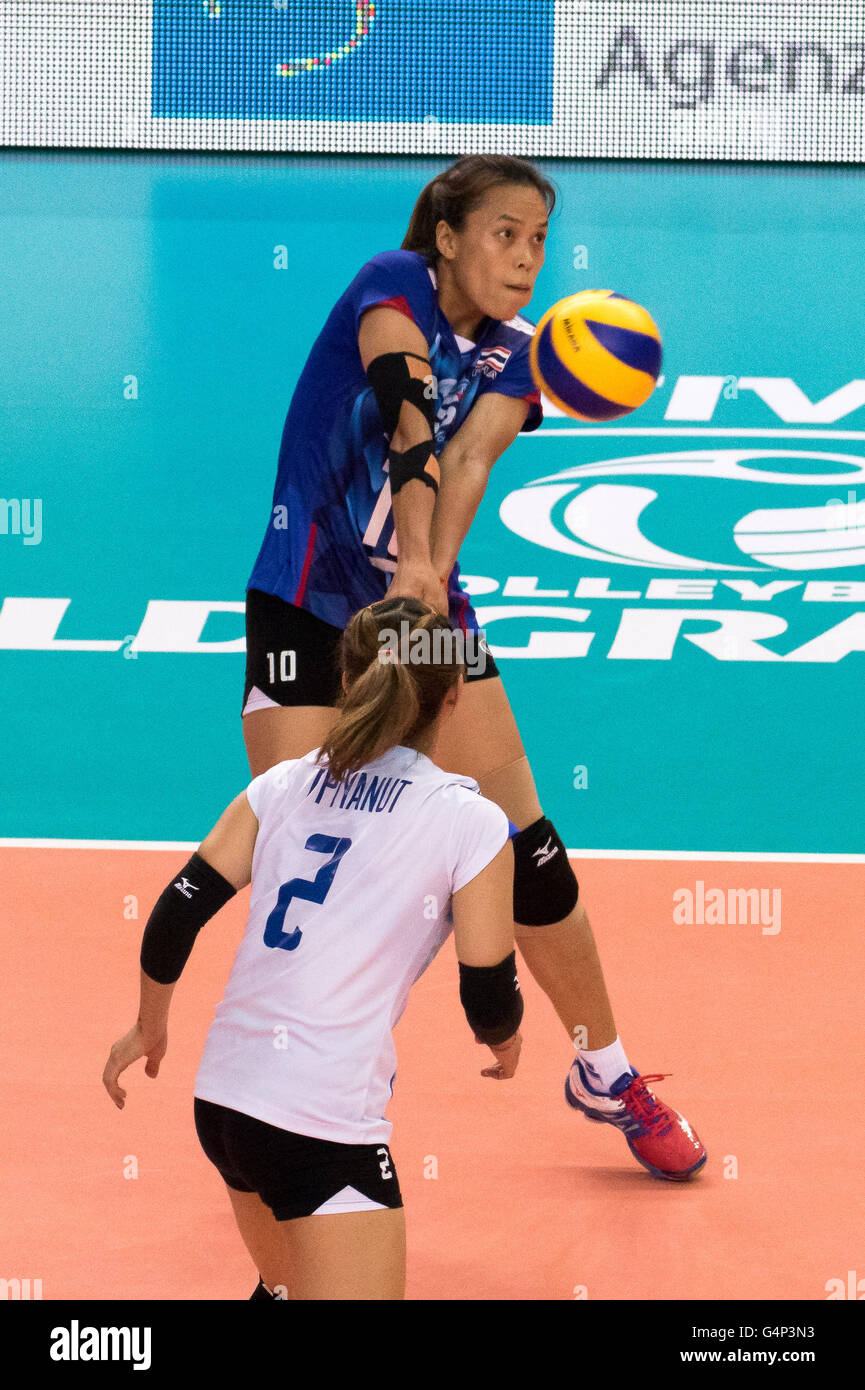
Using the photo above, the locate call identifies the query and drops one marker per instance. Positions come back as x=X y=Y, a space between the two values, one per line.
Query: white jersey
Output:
x=350 y=901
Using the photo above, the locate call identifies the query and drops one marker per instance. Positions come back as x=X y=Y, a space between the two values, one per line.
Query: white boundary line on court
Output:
x=12 y=843
x=729 y=856
x=695 y=430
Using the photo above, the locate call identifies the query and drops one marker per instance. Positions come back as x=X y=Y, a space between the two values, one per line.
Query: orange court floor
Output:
x=508 y=1193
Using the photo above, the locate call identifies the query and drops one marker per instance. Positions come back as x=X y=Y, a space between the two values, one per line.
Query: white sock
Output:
x=605 y=1065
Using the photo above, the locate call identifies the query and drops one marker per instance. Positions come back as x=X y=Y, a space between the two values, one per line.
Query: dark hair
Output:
x=461 y=188
x=388 y=702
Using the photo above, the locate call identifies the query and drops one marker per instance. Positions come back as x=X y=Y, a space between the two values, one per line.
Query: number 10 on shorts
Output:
x=286 y=666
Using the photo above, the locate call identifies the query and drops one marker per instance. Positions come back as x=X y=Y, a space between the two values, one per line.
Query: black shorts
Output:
x=293 y=657
x=293 y=1174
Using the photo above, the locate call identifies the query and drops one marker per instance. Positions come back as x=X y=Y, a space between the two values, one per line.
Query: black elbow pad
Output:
x=490 y=995
x=393 y=383
x=183 y=907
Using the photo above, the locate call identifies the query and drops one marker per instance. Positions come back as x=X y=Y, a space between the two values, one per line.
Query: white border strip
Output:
x=723 y=856
x=690 y=431
x=173 y=845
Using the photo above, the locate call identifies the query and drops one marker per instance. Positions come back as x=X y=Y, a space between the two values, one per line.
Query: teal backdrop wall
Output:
x=149 y=346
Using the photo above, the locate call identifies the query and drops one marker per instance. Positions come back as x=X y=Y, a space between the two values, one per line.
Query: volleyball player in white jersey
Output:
x=362 y=856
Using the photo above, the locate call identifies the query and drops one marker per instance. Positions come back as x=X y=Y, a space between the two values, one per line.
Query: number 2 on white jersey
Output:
x=312 y=890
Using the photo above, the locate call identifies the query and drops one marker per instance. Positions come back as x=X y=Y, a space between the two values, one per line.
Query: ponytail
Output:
x=421 y=233
x=388 y=701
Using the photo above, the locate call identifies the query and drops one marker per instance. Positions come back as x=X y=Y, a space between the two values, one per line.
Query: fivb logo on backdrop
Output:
x=752 y=540
x=591 y=512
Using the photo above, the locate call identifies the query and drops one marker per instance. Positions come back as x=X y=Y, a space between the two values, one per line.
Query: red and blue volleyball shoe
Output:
x=658 y=1136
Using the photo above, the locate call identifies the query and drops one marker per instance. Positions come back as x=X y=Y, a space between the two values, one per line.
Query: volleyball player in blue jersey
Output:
x=362 y=856
x=417 y=383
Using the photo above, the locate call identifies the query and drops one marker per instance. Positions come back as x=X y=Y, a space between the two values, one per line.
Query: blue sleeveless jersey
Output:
x=330 y=544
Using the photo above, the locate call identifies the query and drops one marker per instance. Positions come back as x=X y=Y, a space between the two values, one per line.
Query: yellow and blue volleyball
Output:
x=596 y=355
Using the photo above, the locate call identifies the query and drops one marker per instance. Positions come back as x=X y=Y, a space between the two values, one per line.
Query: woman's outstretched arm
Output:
x=491 y=425
x=220 y=866
x=382 y=331
x=484 y=939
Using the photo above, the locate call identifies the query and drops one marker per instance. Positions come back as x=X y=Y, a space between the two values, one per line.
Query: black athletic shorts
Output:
x=293 y=657
x=293 y=1174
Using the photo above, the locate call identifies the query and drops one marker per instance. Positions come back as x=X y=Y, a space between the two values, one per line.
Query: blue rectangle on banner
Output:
x=354 y=60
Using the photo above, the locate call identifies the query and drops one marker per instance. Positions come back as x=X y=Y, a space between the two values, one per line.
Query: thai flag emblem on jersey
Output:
x=491 y=361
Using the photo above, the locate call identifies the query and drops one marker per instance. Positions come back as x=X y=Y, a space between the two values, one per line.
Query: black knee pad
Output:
x=545 y=885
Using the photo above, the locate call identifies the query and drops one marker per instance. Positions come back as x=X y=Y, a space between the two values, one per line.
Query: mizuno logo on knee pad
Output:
x=542 y=898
